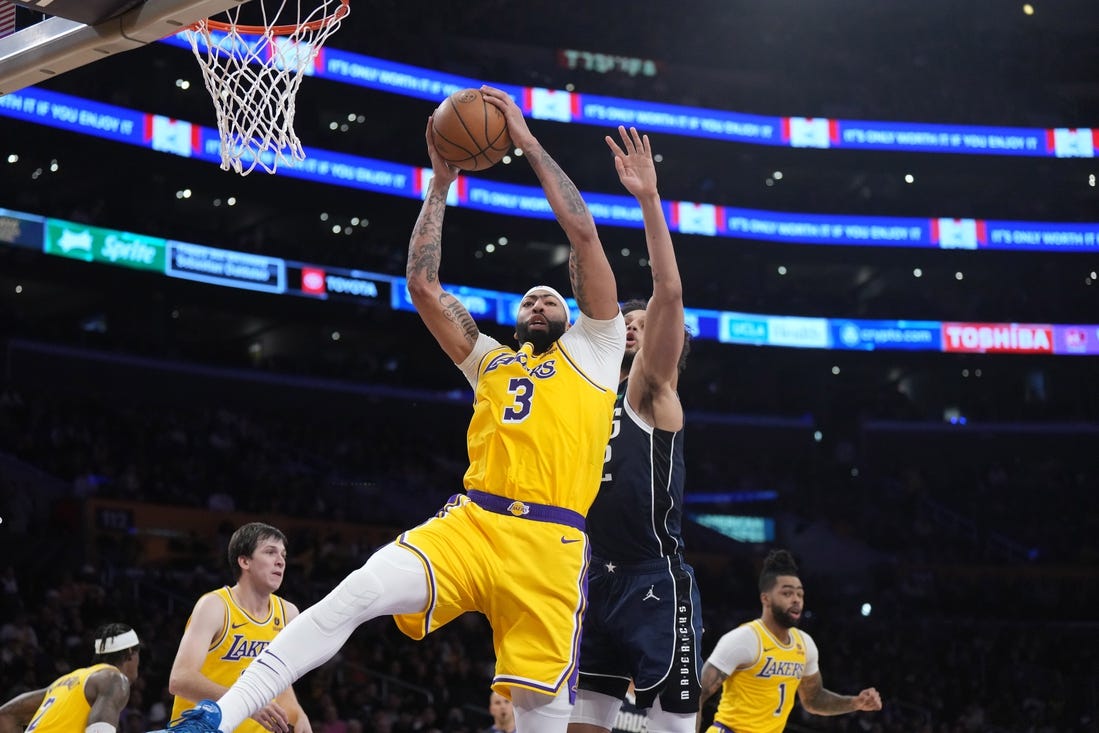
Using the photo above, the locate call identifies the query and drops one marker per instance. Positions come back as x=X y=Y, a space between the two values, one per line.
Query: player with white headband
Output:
x=91 y=698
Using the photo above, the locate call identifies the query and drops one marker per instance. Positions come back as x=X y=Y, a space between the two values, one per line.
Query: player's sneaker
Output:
x=202 y=718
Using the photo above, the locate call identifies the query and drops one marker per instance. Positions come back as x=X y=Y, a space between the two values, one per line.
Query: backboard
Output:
x=59 y=44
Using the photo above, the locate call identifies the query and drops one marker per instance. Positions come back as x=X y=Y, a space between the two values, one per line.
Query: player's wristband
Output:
x=100 y=728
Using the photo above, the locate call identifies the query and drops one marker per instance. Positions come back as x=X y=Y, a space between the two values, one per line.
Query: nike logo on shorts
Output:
x=567 y=541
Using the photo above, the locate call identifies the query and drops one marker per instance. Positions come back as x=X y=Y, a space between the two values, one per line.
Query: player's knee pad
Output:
x=392 y=581
x=596 y=708
x=661 y=721
x=538 y=713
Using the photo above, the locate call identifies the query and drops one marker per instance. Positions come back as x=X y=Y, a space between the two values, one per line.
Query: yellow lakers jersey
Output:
x=65 y=708
x=241 y=640
x=759 y=699
x=539 y=428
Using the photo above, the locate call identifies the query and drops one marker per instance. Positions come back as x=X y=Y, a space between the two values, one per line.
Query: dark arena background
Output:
x=886 y=217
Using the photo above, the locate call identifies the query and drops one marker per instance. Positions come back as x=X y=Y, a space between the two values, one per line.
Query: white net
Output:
x=253 y=72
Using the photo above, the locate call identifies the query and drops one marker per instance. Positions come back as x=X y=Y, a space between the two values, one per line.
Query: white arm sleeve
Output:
x=812 y=656
x=597 y=347
x=736 y=650
x=483 y=345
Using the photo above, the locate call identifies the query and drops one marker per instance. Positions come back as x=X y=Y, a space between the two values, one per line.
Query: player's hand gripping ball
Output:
x=470 y=133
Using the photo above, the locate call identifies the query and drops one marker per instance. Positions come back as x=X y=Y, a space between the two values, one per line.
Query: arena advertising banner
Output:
x=1076 y=339
x=630 y=718
x=336 y=283
x=482 y=304
x=109 y=246
x=227 y=268
x=698 y=218
x=998 y=338
x=865 y=335
x=566 y=106
x=22 y=230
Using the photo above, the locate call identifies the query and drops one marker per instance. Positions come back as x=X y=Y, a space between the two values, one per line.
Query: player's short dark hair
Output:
x=777 y=562
x=639 y=304
x=245 y=540
x=108 y=631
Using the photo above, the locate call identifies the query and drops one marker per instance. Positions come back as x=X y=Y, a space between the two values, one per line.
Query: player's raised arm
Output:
x=442 y=313
x=664 y=318
x=593 y=283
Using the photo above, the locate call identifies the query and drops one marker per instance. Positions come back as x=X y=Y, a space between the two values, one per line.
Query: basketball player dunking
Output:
x=541 y=419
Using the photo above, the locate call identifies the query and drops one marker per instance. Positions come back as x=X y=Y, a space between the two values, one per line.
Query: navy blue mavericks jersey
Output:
x=638 y=513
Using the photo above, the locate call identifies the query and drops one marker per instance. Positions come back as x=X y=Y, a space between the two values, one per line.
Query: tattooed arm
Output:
x=593 y=283
x=712 y=680
x=446 y=318
x=821 y=701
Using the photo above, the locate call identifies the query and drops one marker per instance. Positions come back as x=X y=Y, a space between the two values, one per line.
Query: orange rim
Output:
x=277 y=30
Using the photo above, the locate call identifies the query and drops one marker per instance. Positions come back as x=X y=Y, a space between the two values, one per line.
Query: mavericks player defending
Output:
x=643 y=622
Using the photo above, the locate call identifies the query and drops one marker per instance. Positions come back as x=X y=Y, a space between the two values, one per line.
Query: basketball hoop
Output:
x=253 y=72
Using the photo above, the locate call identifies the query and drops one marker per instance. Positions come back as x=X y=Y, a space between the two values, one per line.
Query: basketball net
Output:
x=253 y=73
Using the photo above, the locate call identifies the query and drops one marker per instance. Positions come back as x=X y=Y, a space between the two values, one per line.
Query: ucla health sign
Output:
x=790 y=331
x=742 y=328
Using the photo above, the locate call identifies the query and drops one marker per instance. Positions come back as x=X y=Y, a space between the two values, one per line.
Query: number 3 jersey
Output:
x=541 y=421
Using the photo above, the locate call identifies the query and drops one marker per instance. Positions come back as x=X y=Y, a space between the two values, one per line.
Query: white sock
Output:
x=392 y=581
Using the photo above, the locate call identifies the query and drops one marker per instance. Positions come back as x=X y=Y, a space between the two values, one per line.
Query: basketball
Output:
x=469 y=132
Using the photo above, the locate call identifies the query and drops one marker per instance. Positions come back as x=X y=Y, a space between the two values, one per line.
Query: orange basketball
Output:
x=469 y=132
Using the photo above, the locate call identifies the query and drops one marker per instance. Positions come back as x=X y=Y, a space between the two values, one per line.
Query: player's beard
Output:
x=783 y=618
x=540 y=340
x=627 y=360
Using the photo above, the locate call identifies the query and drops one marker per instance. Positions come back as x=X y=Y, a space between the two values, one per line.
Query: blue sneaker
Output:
x=202 y=718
